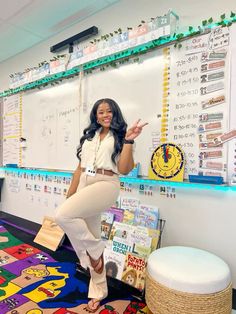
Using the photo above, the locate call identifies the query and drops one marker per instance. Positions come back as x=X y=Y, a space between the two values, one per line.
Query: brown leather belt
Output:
x=102 y=171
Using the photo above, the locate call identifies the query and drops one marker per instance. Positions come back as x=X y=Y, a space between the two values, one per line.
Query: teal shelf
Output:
x=37 y=171
x=137 y=181
x=185 y=184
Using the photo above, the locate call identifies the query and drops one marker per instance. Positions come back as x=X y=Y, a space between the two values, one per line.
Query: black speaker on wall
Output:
x=89 y=32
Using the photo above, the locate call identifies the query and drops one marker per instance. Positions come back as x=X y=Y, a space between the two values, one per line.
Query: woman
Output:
x=105 y=151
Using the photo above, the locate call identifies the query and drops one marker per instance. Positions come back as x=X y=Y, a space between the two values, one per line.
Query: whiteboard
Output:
x=54 y=118
x=50 y=125
x=137 y=88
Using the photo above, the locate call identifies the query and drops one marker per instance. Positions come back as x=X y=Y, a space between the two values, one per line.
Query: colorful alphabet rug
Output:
x=32 y=282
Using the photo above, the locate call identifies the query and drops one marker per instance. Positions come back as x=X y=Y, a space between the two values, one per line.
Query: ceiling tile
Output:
x=12 y=8
x=14 y=40
x=24 y=23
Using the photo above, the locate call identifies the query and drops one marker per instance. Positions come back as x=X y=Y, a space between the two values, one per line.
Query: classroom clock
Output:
x=167 y=163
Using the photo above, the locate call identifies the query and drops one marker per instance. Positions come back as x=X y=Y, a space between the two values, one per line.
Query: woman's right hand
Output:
x=135 y=130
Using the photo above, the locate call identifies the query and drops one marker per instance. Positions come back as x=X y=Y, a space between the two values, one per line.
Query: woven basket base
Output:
x=162 y=300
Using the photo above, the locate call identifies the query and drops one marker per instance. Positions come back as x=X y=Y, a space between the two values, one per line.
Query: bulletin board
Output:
x=184 y=94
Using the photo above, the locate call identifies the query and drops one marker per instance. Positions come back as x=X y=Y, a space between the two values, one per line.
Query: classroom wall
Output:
x=125 y=13
x=195 y=217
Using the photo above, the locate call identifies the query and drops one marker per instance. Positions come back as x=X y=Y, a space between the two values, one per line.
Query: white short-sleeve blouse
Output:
x=97 y=153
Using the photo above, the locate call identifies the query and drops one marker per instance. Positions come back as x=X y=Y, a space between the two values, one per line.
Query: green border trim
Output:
x=157 y=43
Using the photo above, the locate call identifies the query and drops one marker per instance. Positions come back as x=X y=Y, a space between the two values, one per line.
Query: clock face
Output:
x=167 y=160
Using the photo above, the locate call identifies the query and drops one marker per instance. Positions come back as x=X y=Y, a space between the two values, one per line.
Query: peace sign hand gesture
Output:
x=135 y=130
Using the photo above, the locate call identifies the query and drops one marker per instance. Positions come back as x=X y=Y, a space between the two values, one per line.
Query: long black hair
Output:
x=118 y=127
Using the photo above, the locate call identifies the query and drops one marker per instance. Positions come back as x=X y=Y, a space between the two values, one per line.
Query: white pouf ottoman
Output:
x=184 y=280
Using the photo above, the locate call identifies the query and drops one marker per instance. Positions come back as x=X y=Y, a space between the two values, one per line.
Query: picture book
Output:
x=141 y=237
x=107 y=217
x=117 y=203
x=155 y=235
x=129 y=203
x=134 y=271
x=106 y=224
x=122 y=246
x=142 y=233
x=117 y=212
x=128 y=217
x=114 y=263
x=140 y=250
x=146 y=216
x=121 y=230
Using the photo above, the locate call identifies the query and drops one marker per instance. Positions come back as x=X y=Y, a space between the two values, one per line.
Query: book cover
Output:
x=117 y=212
x=141 y=236
x=106 y=224
x=134 y=271
x=121 y=230
x=129 y=203
x=121 y=246
x=128 y=217
x=146 y=216
x=114 y=263
x=153 y=234
x=140 y=250
x=117 y=203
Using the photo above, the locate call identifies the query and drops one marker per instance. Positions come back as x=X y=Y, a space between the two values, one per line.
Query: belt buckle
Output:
x=103 y=171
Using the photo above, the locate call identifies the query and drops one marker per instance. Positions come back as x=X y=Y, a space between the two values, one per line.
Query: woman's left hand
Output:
x=135 y=130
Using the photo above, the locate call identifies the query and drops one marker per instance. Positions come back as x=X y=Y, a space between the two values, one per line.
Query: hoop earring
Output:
x=98 y=122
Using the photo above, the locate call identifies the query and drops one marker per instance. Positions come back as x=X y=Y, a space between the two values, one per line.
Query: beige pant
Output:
x=80 y=218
